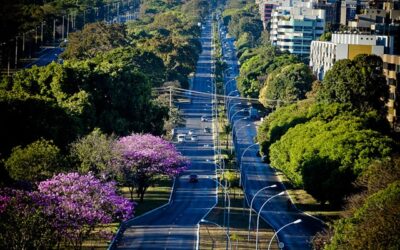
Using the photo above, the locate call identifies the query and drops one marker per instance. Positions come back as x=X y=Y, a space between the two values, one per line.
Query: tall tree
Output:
x=37 y=161
x=287 y=84
x=358 y=82
x=144 y=157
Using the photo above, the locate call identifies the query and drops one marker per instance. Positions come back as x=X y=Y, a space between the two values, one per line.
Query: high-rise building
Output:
x=391 y=70
x=293 y=29
x=346 y=46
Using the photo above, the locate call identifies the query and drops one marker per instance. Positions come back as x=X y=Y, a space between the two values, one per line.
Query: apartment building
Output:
x=293 y=29
x=346 y=46
x=391 y=70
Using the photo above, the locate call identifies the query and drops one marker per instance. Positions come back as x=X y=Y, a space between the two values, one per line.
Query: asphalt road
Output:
x=46 y=56
x=255 y=175
x=175 y=225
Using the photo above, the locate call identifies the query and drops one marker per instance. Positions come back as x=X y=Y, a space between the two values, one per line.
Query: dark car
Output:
x=193 y=178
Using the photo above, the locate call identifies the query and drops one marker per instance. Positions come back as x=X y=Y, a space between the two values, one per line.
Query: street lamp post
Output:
x=291 y=223
x=241 y=158
x=233 y=127
x=227 y=102
x=242 y=127
x=229 y=201
x=230 y=109
x=237 y=112
x=227 y=234
x=259 y=212
x=251 y=206
x=225 y=87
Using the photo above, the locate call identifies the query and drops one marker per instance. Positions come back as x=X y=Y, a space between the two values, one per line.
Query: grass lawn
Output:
x=308 y=204
x=213 y=237
x=154 y=197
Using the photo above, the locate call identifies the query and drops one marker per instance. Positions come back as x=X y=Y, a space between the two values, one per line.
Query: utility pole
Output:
x=170 y=98
x=41 y=32
x=16 y=52
x=67 y=25
x=23 y=42
x=54 y=31
x=63 y=25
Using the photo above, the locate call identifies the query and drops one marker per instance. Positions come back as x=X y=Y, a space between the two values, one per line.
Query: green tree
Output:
x=94 y=152
x=374 y=225
x=287 y=84
x=93 y=39
x=37 y=161
x=358 y=82
x=28 y=118
x=329 y=153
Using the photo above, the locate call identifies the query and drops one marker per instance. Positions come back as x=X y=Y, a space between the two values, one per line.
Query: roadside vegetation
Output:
x=94 y=118
x=326 y=139
x=213 y=237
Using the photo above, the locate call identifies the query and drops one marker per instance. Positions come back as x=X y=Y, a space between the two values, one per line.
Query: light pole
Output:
x=229 y=201
x=230 y=109
x=241 y=158
x=233 y=127
x=259 y=212
x=242 y=127
x=229 y=99
x=237 y=112
x=291 y=223
x=227 y=234
x=225 y=86
x=251 y=206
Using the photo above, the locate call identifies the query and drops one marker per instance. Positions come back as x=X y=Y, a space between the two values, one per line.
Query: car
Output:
x=204 y=119
x=191 y=131
x=181 y=137
x=193 y=178
x=207 y=130
x=193 y=138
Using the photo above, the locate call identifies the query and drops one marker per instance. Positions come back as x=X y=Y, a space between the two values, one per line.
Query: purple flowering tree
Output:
x=145 y=157
x=84 y=202
x=25 y=221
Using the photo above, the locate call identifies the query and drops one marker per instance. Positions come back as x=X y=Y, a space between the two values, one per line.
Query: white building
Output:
x=345 y=46
x=293 y=29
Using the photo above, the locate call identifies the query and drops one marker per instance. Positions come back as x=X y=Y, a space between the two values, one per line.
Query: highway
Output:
x=175 y=226
x=278 y=212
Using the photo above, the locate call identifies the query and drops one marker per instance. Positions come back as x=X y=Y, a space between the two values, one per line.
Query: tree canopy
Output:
x=286 y=84
x=144 y=157
x=358 y=82
x=318 y=155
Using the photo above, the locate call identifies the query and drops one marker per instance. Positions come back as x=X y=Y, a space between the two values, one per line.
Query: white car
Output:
x=193 y=138
x=204 y=119
x=191 y=131
x=181 y=137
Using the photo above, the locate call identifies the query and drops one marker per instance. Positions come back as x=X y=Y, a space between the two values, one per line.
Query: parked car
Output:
x=193 y=178
x=204 y=119
x=191 y=131
x=193 y=138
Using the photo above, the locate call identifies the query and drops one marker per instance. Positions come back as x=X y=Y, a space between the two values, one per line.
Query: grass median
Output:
x=213 y=237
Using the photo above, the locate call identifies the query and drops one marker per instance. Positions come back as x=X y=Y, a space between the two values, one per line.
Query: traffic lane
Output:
x=49 y=55
x=176 y=237
x=298 y=236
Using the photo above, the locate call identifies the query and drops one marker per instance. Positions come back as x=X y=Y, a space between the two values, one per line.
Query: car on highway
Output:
x=181 y=137
x=193 y=178
x=207 y=130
